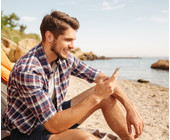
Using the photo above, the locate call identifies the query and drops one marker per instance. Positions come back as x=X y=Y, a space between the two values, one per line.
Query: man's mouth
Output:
x=66 y=51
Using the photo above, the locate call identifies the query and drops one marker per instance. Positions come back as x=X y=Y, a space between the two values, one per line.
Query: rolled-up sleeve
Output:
x=35 y=95
x=82 y=70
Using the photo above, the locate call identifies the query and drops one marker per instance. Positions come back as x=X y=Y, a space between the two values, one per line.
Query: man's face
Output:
x=64 y=43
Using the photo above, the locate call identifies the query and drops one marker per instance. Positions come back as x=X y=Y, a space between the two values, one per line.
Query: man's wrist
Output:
x=96 y=100
x=128 y=106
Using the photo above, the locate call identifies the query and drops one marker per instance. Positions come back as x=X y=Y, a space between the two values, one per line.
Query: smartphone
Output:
x=117 y=69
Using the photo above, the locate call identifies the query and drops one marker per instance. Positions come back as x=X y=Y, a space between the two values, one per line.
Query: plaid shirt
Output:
x=28 y=98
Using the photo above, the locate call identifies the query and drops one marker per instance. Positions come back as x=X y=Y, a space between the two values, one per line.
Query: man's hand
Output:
x=134 y=119
x=101 y=77
x=105 y=87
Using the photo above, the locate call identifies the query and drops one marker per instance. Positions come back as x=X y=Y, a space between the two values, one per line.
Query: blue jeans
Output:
x=39 y=133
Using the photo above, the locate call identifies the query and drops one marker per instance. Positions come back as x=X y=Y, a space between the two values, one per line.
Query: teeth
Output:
x=65 y=50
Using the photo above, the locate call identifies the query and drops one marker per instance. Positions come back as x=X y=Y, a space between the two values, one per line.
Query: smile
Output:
x=66 y=51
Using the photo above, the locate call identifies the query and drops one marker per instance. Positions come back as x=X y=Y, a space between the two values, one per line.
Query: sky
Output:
x=116 y=28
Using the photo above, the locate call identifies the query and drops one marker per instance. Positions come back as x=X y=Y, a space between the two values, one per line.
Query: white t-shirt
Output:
x=51 y=82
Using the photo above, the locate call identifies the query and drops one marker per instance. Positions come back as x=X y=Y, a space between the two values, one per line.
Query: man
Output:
x=38 y=84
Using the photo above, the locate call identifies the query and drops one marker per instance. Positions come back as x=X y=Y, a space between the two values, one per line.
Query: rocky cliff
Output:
x=15 y=50
x=83 y=55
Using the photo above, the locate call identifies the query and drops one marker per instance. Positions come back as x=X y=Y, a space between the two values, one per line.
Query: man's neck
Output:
x=50 y=55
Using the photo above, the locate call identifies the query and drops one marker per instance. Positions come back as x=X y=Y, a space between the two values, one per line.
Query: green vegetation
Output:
x=11 y=21
x=16 y=35
x=8 y=23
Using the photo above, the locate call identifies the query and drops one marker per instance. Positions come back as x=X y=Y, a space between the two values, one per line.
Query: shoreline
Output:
x=151 y=101
x=131 y=69
x=145 y=83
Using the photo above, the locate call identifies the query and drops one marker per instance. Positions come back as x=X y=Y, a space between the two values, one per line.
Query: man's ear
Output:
x=49 y=37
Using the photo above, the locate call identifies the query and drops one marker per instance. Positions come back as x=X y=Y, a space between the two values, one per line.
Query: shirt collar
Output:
x=43 y=60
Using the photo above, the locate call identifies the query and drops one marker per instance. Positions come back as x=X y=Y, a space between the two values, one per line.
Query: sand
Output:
x=151 y=101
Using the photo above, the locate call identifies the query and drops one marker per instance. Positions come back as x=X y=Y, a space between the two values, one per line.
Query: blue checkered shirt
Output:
x=28 y=99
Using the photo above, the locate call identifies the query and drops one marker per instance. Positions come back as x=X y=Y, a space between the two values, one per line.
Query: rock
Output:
x=24 y=46
x=161 y=64
x=9 y=48
x=77 y=52
x=7 y=43
x=143 y=81
x=16 y=50
x=83 y=55
x=19 y=52
x=28 y=43
x=88 y=56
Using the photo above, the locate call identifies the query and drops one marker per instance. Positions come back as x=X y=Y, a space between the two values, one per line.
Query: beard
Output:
x=56 y=51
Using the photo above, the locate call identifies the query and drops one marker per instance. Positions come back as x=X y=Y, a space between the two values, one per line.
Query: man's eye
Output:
x=68 y=39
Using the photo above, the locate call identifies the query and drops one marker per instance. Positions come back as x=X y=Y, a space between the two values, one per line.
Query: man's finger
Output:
x=137 y=131
x=129 y=128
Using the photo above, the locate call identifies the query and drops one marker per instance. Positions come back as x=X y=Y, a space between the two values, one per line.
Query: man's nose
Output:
x=71 y=45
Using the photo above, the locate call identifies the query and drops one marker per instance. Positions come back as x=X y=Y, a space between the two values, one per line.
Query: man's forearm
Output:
x=122 y=97
x=132 y=117
x=67 y=118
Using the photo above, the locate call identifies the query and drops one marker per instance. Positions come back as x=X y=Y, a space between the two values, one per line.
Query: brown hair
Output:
x=57 y=22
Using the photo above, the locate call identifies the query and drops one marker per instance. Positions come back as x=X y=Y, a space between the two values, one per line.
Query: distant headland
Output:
x=91 y=56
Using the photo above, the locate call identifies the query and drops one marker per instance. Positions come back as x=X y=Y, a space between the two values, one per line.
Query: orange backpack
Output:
x=6 y=66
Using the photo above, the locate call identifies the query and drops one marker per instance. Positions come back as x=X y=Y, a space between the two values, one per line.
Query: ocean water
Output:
x=133 y=69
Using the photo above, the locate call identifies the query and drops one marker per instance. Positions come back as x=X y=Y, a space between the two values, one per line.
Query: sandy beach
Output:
x=151 y=101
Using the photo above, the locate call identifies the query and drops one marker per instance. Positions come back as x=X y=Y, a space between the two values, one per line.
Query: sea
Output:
x=134 y=69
